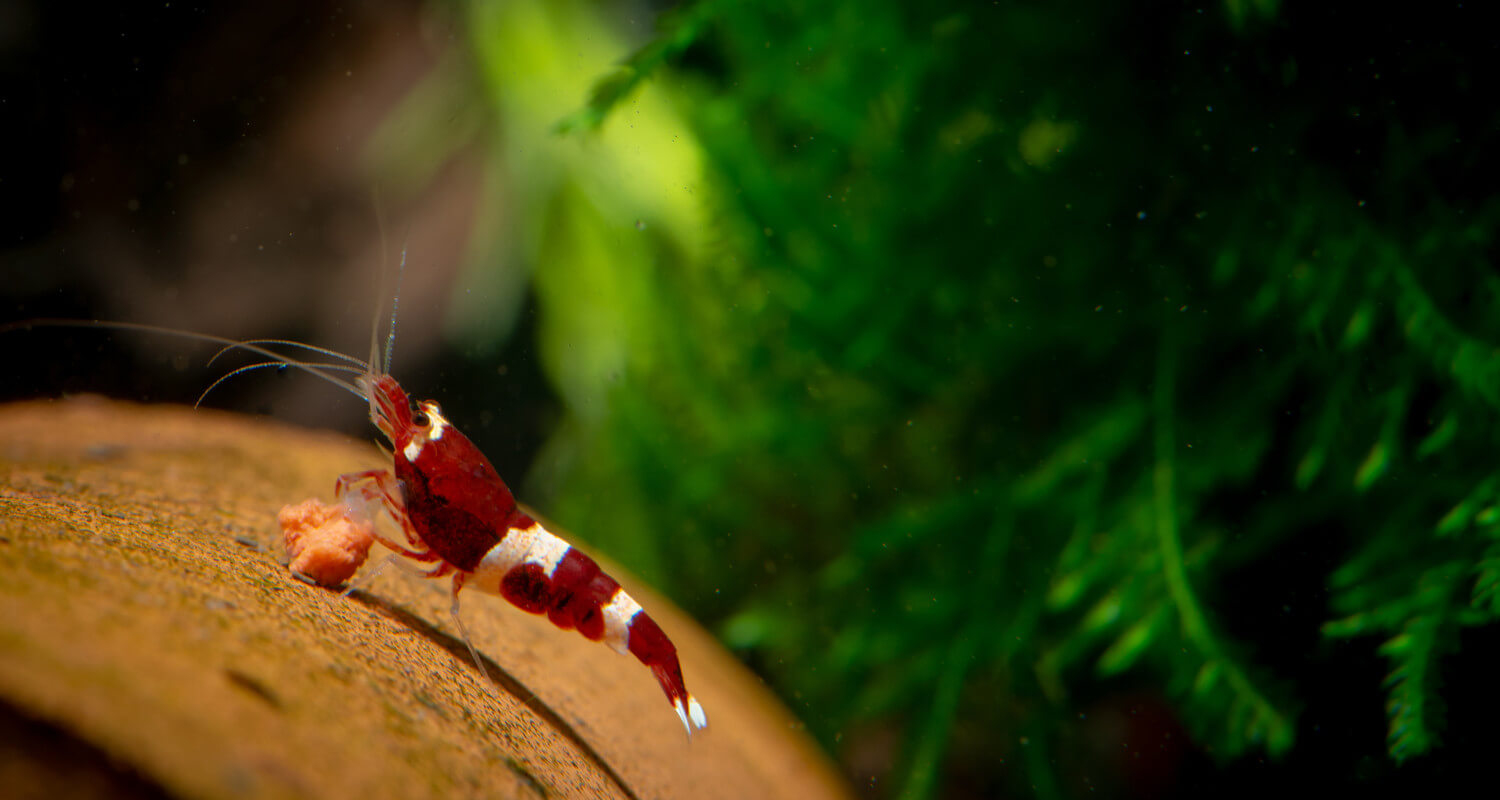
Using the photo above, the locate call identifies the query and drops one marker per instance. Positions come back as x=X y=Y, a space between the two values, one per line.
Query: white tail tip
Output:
x=692 y=715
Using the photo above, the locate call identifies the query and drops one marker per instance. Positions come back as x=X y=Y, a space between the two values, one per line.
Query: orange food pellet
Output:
x=323 y=541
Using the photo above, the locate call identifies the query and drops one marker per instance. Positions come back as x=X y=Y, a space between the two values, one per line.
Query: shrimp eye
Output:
x=420 y=419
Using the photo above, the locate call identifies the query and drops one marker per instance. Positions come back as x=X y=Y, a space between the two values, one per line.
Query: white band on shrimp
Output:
x=529 y=545
x=618 y=614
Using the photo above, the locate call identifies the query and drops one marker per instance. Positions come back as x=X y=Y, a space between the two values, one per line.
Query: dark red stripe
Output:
x=573 y=571
x=527 y=587
x=648 y=642
x=588 y=603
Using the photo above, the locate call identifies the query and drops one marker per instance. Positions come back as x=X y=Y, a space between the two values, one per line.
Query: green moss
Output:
x=983 y=345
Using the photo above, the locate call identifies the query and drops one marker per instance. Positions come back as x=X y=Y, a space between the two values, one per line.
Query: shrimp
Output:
x=457 y=515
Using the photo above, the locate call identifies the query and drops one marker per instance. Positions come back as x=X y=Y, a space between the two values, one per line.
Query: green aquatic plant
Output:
x=962 y=365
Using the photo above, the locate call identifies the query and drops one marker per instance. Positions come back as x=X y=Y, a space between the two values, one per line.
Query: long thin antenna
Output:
x=358 y=362
x=390 y=342
x=380 y=299
x=248 y=345
x=313 y=368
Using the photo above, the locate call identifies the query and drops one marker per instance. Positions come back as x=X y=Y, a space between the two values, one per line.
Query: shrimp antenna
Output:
x=358 y=362
x=380 y=299
x=249 y=345
x=313 y=368
x=390 y=341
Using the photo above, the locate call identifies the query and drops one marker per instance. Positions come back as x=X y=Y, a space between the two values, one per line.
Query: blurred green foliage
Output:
x=950 y=359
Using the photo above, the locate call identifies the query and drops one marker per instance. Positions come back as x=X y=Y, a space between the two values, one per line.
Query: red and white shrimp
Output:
x=458 y=516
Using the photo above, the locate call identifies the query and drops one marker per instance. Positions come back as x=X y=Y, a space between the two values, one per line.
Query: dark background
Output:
x=197 y=166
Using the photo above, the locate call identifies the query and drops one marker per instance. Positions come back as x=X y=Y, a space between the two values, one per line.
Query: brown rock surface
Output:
x=152 y=642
